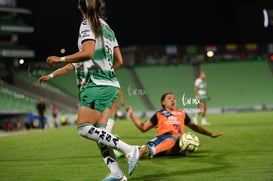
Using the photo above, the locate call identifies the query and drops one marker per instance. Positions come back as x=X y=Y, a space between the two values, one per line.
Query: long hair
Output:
x=94 y=9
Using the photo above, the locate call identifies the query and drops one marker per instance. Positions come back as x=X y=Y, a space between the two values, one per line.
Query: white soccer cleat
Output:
x=111 y=177
x=204 y=122
x=132 y=157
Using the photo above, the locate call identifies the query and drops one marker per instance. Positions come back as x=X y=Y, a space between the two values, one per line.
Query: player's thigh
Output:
x=103 y=119
x=114 y=108
x=202 y=106
x=98 y=97
x=87 y=115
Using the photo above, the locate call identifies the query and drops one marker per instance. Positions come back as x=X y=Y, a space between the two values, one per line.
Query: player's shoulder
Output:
x=198 y=80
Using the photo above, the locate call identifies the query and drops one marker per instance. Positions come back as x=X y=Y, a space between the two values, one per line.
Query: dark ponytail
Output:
x=94 y=9
x=83 y=5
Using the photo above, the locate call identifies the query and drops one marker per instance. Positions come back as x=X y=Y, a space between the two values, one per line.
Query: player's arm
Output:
x=142 y=126
x=208 y=95
x=200 y=129
x=118 y=60
x=121 y=97
x=203 y=131
x=58 y=72
x=87 y=52
x=196 y=89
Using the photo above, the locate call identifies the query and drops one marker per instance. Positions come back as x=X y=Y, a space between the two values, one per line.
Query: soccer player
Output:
x=170 y=123
x=41 y=108
x=54 y=112
x=200 y=90
x=98 y=44
x=113 y=117
x=81 y=72
x=114 y=111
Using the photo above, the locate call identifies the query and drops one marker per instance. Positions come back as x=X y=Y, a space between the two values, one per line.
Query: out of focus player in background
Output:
x=114 y=112
x=200 y=90
x=113 y=117
x=41 y=108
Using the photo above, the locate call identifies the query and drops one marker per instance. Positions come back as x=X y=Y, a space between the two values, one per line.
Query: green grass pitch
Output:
x=245 y=152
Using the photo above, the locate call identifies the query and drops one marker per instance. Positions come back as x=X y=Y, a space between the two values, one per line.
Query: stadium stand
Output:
x=239 y=84
x=132 y=96
x=231 y=84
x=65 y=83
x=61 y=98
x=158 y=79
x=32 y=79
x=12 y=100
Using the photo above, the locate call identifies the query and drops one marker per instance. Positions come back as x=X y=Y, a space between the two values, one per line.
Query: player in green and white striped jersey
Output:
x=200 y=89
x=98 y=43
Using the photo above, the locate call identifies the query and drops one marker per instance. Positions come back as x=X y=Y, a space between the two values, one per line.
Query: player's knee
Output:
x=85 y=130
x=82 y=131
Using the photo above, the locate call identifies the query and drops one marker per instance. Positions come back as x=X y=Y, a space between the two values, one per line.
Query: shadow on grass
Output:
x=218 y=165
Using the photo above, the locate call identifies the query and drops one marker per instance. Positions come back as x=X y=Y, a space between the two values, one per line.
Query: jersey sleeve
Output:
x=85 y=31
x=197 y=82
x=76 y=65
x=154 y=119
x=116 y=43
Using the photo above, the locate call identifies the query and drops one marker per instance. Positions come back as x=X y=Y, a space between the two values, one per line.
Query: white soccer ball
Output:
x=189 y=142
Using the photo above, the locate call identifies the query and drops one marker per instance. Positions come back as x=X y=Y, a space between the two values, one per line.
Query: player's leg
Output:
x=110 y=161
x=203 y=113
x=91 y=132
x=111 y=119
x=95 y=109
x=158 y=145
x=196 y=115
x=111 y=123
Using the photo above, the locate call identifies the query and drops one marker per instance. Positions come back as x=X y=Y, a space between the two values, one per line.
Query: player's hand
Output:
x=122 y=103
x=129 y=110
x=53 y=59
x=215 y=135
x=43 y=78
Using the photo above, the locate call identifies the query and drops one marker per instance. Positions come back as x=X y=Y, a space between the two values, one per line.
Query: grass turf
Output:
x=245 y=152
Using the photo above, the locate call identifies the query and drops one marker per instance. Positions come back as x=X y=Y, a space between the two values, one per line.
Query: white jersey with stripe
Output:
x=101 y=71
x=81 y=71
x=202 y=86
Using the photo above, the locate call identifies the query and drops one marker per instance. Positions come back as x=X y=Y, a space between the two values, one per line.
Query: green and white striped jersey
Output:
x=82 y=73
x=101 y=69
x=202 y=86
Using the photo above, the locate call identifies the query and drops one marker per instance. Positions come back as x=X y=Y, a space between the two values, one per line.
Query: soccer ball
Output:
x=189 y=142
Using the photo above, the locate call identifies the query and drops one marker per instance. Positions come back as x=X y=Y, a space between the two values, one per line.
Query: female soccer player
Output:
x=170 y=126
x=98 y=44
x=200 y=90
x=81 y=71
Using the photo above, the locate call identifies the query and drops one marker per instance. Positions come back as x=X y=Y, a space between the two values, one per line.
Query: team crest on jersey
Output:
x=172 y=118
